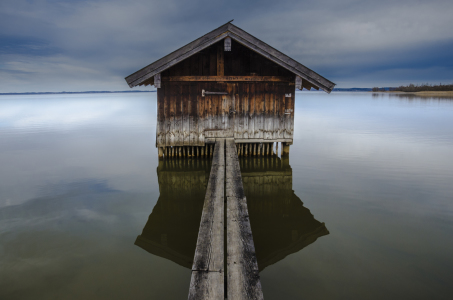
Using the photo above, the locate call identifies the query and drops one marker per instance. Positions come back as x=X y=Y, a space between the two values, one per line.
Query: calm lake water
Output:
x=363 y=208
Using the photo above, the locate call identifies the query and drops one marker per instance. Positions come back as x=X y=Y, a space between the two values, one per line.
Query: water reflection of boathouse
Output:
x=281 y=225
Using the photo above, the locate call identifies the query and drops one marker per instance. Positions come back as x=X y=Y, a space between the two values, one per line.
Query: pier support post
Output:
x=161 y=152
x=285 y=149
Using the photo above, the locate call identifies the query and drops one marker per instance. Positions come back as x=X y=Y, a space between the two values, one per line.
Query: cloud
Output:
x=82 y=45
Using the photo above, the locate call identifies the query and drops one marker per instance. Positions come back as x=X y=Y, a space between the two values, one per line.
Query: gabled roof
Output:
x=239 y=35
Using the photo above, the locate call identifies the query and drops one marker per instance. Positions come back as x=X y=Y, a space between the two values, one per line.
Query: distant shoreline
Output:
x=65 y=93
x=423 y=93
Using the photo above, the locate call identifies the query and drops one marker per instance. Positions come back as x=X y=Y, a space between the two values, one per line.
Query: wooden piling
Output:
x=285 y=149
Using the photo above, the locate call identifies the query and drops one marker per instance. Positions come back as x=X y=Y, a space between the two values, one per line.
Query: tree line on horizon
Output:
x=417 y=88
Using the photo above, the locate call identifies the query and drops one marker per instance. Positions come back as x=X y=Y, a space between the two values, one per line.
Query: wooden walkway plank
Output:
x=208 y=272
x=206 y=285
x=243 y=281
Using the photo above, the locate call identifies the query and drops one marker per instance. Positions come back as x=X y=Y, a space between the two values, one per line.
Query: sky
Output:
x=78 y=45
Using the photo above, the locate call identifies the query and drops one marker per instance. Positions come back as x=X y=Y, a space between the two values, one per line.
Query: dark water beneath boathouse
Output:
x=363 y=208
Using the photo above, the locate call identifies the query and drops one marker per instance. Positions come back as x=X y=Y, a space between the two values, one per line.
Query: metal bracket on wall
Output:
x=203 y=93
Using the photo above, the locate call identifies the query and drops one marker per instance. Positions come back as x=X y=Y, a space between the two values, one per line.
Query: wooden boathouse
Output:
x=226 y=84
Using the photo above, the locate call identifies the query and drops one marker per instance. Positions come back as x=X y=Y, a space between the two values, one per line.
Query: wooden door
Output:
x=219 y=108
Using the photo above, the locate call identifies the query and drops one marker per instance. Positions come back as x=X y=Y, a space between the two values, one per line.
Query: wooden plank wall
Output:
x=240 y=61
x=259 y=110
x=262 y=111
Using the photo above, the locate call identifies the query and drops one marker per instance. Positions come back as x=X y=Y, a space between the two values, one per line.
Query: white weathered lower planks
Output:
x=208 y=272
x=243 y=281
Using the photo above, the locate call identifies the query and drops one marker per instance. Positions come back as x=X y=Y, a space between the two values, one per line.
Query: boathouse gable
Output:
x=230 y=33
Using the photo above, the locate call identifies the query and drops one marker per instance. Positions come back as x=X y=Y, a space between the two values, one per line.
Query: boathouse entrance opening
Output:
x=219 y=109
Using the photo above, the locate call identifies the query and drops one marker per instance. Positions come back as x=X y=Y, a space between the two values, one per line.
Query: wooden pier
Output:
x=216 y=274
x=243 y=275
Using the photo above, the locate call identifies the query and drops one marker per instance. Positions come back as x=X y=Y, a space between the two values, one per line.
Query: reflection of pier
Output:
x=281 y=225
x=172 y=228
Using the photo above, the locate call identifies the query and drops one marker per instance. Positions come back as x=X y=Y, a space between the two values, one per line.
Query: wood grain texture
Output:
x=185 y=99
x=248 y=110
x=298 y=83
x=291 y=119
x=227 y=43
x=230 y=109
x=237 y=111
x=201 y=104
x=228 y=78
x=259 y=108
x=193 y=116
x=245 y=109
x=206 y=285
x=288 y=115
x=157 y=81
x=251 y=125
x=160 y=126
x=243 y=281
x=179 y=135
x=220 y=60
x=281 y=112
x=207 y=280
x=170 y=116
x=240 y=113
x=268 y=112
x=277 y=102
